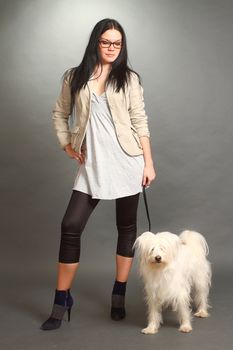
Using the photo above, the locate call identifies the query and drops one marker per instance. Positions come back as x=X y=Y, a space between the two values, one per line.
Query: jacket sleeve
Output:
x=138 y=116
x=61 y=113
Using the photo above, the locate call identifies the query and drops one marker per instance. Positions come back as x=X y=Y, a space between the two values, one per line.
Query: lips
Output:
x=110 y=55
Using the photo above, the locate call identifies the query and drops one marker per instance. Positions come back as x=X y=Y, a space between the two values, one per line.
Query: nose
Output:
x=158 y=258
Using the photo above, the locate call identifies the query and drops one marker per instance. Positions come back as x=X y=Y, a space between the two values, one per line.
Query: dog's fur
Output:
x=172 y=267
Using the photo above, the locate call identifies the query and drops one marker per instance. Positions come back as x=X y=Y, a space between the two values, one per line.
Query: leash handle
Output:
x=147 y=210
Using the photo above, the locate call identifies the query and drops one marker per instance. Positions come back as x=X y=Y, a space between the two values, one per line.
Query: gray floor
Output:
x=27 y=300
x=28 y=277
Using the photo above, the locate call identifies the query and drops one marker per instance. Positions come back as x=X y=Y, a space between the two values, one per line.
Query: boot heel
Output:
x=69 y=312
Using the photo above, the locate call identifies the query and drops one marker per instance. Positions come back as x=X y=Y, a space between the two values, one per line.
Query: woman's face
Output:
x=109 y=54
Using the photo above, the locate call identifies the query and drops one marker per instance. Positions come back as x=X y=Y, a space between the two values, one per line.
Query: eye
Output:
x=117 y=44
x=104 y=42
x=152 y=250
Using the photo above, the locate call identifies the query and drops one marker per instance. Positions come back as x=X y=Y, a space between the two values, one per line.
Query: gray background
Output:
x=183 y=51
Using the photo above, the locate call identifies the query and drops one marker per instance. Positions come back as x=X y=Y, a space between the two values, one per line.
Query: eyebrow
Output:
x=109 y=40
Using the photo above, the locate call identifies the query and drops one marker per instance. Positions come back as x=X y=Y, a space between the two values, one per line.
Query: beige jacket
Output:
x=127 y=111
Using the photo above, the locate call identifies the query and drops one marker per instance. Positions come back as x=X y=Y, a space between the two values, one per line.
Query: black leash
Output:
x=147 y=211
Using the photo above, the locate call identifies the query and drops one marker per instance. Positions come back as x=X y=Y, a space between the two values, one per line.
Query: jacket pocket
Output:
x=135 y=135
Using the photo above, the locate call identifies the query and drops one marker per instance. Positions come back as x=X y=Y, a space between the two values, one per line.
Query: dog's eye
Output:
x=152 y=250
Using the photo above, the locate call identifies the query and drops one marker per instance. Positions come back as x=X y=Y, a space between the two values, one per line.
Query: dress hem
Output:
x=94 y=197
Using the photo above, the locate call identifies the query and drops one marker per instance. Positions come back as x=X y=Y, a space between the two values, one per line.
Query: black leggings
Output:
x=77 y=213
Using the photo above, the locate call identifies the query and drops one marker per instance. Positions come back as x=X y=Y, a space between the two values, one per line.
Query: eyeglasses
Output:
x=104 y=43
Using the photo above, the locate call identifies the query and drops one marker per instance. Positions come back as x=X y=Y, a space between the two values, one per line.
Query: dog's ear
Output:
x=142 y=241
x=136 y=245
x=176 y=244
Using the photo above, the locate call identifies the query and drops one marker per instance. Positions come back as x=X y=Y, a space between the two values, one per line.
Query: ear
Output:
x=138 y=244
x=141 y=241
x=177 y=244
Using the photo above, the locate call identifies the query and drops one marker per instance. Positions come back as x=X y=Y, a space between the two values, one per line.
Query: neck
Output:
x=106 y=68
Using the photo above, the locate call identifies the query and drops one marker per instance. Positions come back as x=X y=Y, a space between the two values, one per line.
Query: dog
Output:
x=173 y=268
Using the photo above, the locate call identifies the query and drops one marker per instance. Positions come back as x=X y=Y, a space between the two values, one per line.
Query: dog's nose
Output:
x=158 y=258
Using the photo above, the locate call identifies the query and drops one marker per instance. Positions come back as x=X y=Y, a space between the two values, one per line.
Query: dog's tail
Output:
x=195 y=240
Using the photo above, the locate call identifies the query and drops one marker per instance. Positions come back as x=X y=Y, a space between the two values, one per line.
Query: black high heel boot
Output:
x=118 y=307
x=118 y=301
x=62 y=301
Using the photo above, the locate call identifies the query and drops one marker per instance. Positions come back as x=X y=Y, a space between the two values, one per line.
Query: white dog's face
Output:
x=157 y=249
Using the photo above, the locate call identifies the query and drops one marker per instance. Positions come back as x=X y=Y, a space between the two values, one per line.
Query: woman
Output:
x=110 y=140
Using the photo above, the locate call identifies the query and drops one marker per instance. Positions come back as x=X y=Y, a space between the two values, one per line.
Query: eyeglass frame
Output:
x=110 y=43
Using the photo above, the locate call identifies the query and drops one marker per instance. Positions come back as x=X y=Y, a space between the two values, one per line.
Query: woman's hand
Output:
x=149 y=171
x=149 y=175
x=78 y=156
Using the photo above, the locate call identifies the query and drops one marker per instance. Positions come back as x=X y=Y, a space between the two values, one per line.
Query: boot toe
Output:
x=50 y=323
x=117 y=314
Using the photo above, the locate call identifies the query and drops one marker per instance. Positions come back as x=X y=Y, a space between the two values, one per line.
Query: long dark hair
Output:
x=119 y=74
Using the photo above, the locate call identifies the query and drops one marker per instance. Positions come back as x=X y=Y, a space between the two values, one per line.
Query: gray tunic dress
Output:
x=108 y=171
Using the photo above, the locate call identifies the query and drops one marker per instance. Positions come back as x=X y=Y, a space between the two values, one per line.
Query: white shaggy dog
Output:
x=172 y=267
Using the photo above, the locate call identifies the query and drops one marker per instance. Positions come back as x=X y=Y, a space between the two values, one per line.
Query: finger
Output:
x=77 y=154
x=144 y=180
x=77 y=158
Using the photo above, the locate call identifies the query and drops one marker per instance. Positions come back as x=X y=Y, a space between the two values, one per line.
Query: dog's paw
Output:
x=201 y=313
x=149 y=330
x=185 y=328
